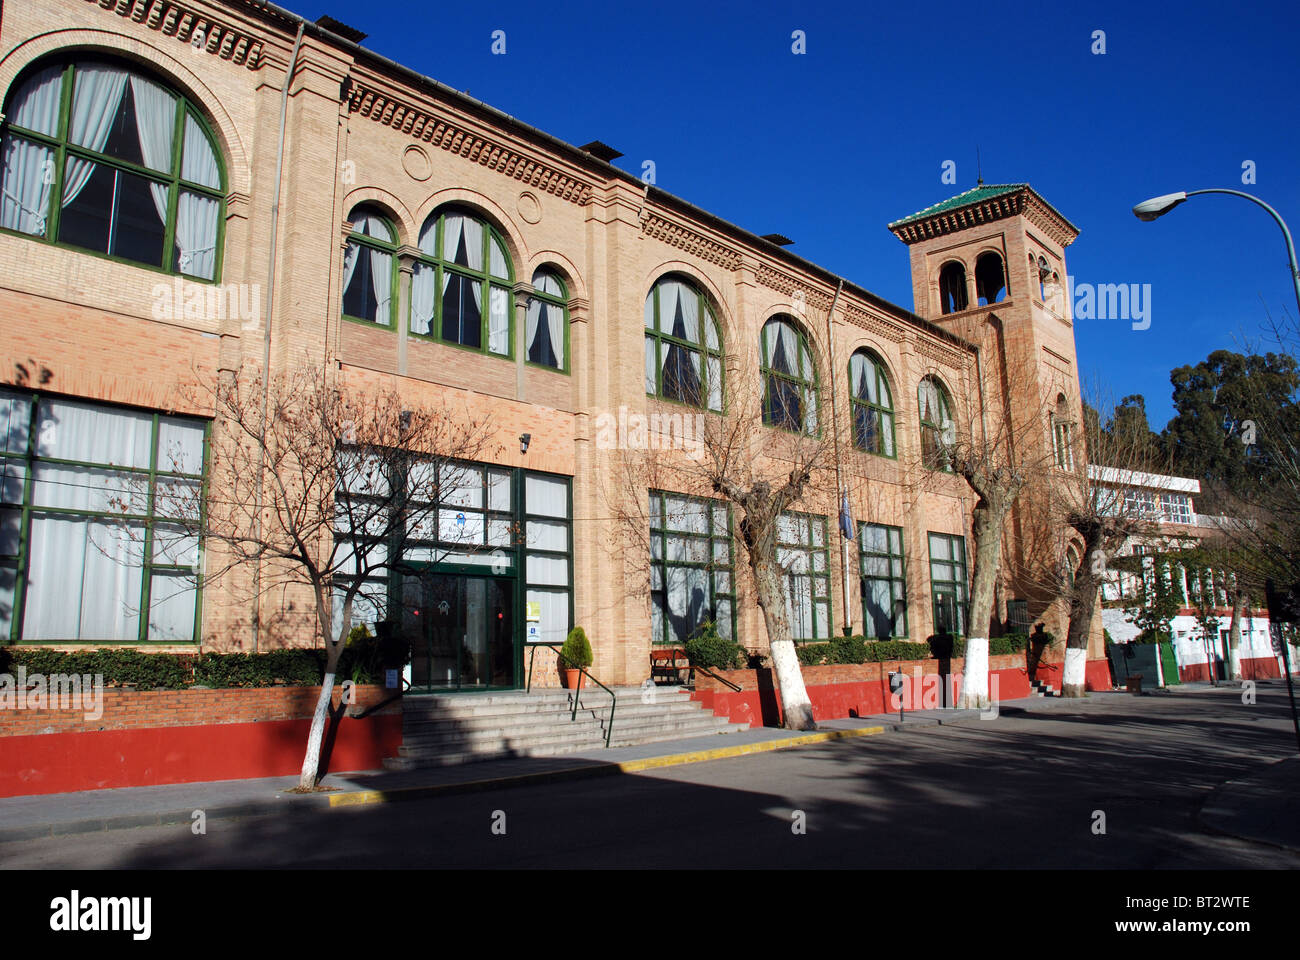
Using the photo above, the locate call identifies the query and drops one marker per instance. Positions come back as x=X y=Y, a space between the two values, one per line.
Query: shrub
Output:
x=848 y=650
x=709 y=649
x=576 y=650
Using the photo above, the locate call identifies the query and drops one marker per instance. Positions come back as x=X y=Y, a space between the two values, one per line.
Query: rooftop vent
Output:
x=780 y=239
x=342 y=29
x=601 y=151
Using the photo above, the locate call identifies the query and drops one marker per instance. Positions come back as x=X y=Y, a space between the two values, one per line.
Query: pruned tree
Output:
x=327 y=487
x=767 y=454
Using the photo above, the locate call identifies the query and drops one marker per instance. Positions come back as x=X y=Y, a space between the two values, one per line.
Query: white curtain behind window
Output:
x=350 y=263
x=498 y=319
x=196 y=233
x=690 y=305
x=555 y=324
x=28 y=167
x=473 y=231
x=199 y=162
x=96 y=99
x=497 y=263
x=155 y=123
x=423 y=297
x=535 y=309
x=381 y=278
x=667 y=305
x=649 y=365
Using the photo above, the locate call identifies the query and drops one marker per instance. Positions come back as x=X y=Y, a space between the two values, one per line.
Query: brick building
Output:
x=424 y=241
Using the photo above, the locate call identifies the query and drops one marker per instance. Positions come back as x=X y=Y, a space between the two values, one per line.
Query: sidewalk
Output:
x=23 y=818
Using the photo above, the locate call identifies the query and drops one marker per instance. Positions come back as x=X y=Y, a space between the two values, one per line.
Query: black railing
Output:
x=582 y=672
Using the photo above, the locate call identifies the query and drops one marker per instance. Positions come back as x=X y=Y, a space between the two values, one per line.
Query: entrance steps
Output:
x=1043 y=689
x=445 y=729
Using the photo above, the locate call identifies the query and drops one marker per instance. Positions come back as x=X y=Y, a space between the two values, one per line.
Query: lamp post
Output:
x=1157 y=207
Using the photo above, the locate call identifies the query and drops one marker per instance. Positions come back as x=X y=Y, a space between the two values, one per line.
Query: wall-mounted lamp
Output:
x=524 y=440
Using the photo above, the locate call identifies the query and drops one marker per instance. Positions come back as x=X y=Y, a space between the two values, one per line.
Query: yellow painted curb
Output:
x=598 y=769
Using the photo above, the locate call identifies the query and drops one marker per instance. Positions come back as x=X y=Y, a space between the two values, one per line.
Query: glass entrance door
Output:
x=461 y=630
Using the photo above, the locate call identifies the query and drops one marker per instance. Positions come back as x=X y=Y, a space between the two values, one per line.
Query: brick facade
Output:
x=357 y=130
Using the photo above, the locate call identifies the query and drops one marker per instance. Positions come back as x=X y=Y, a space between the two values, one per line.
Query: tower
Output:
x=988 y=265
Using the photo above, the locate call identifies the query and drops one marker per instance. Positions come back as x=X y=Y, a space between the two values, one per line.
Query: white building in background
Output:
x=1168 y=502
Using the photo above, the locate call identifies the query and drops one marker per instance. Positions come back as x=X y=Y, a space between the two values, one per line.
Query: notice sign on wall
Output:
x=533 y=618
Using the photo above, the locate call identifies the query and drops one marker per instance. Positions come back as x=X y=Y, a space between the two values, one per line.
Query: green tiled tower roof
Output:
x=985 y=191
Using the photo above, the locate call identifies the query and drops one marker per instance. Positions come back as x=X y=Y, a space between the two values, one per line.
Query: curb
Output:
x=599 y=769
x=301 y=805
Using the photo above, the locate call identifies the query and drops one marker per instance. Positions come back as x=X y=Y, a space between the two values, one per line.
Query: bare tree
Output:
x=1099 y=504
x=326 y=488
x=768 y=454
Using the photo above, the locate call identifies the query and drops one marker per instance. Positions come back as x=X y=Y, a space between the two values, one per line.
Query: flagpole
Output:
x=840 y=490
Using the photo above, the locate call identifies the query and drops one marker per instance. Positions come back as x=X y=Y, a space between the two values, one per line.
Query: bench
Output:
x=669 y=662
x=1134 y=684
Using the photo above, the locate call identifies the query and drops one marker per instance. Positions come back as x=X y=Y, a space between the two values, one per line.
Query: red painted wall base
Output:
x=65 y=762
x=833 y=701
x=1252 y=668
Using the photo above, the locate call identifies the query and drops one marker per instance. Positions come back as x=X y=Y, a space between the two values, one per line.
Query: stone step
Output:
x=522 y=734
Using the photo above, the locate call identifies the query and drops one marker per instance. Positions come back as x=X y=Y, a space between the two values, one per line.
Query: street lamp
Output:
x=1157 y=207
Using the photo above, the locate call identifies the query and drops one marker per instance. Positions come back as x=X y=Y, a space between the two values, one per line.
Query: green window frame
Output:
x=871 y=405
x=883 y=574
x=489 y=520
x=690 y=546
x=47 y=218
x=134 y=496
x=803 y=550
x=948 y=583
x=681 y=367
x=789 y=383
x=549 y=293
x=365 y=243
x=938 y=431
x=478 y=270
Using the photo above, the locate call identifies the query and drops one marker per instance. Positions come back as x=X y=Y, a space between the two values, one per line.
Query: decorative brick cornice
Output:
x=781 y=282
x=881 y=328
x=692 y=241
x=192 y=28
x=940 y=354
x=1024 y=203
x=423 y=124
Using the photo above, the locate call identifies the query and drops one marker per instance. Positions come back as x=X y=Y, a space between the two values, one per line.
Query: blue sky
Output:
x=830 y=146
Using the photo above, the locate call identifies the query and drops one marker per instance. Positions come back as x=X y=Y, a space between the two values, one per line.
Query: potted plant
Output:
x=575 y=654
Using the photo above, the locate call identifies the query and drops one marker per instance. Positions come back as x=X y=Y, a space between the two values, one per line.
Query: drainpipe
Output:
x=266 y=347
x=839 y=483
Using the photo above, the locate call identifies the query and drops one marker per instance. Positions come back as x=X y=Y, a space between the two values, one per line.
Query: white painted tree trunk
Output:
x=789 y=679
x=975 y=675
x=1072 y=681
x=311 y=762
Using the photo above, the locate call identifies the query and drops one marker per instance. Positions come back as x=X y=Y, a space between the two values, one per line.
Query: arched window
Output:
x=937 y=428
x=871 y=403
x=990 y=278
x=1062 y=434
x=369 y=268
x=461 y=286
x=99 y=156
x=789 y=377
x=548 y=321
x=952 y=287
x=683 y=347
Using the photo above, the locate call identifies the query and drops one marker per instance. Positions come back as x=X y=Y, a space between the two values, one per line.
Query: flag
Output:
x=846 y=515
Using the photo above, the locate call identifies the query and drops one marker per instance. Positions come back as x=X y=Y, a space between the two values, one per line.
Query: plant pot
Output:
x=573 y=679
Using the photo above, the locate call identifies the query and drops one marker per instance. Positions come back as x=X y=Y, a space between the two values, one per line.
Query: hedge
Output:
x=173 y=671
x=861 y=650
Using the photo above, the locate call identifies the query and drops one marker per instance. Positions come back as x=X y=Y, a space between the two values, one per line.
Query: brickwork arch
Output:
x=167 y=68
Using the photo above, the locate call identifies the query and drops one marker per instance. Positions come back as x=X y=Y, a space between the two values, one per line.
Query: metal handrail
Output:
x=613 y=698
x=704 y=670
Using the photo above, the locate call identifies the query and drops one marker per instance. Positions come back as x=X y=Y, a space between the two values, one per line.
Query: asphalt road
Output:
x=1022 y=791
